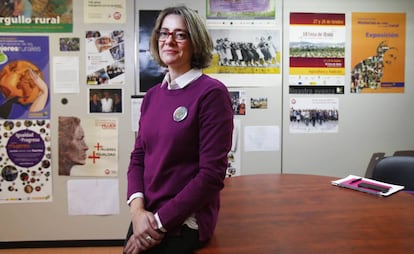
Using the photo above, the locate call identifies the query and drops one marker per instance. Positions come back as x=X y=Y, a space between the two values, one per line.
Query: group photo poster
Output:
x=105 y=57
x=24 y=77
x=314 y=115
x=245 y=51
x=378 y=53
x=25 y=164
x=88 y=146
x=36 y=16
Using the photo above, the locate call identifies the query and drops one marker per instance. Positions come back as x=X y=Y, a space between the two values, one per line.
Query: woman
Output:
x=179 y=160
x=72 y=146
x=95 y=104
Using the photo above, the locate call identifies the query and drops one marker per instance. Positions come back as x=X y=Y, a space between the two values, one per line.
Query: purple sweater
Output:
x=180 y=165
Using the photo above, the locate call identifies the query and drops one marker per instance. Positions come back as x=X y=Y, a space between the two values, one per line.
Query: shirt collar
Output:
x=183 y=80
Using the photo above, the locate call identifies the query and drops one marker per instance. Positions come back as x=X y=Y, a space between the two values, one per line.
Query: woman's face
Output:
x=77 y=152
x=176 y=55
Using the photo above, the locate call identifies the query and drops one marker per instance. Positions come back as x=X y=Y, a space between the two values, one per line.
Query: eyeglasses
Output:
x=177 y=35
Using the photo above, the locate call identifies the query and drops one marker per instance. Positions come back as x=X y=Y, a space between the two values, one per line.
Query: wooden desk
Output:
x=288 y=213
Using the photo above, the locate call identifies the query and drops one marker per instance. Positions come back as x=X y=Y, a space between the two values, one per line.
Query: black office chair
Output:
x=396 y=170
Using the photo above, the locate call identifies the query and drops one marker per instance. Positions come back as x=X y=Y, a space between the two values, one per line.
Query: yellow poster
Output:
x=378 y=53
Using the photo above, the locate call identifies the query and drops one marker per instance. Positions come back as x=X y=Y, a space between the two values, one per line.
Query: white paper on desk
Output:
x=261 y=138
x=66 y=74
x=93 y=197
x=393 y=188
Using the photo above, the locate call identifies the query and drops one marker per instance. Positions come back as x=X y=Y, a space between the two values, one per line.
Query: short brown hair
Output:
x=199 y=36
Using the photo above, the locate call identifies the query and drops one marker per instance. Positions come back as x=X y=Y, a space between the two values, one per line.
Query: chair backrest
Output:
x=374 y=160
x=395 y=170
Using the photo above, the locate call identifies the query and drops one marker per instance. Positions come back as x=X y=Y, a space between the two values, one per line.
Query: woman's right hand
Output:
x=145 y=227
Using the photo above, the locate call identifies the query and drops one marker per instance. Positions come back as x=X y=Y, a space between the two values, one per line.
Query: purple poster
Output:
x=25 y=161
x=24 y=77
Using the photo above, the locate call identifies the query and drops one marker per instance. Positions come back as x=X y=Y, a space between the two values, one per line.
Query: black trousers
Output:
x=186 y=243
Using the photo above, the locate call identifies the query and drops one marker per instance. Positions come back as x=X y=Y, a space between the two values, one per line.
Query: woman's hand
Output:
x=40 y=102
x=145 y=228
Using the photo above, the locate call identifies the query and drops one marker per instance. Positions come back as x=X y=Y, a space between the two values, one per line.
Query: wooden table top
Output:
x=292 y=213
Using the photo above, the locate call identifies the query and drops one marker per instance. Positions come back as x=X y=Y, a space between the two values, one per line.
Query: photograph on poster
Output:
x=258 y=103
x=245 y=51
x=241 y=9
x=88 y=146
x=378 y=56
x=313 y=115
x=105 y=53
x=25 y=164
x=150 y=72
x=105 y=100
x=69 y=44
x=238 y=99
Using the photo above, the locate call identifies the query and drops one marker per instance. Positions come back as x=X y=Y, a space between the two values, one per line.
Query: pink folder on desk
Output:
x=354 y=183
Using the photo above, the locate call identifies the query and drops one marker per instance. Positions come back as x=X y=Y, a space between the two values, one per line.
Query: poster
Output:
x=88 y=147
x=24 y=77
x=313 y=115
x=245 y=51
x=36 y=16
x=25 y=161
x=317 y=53
x=104 y=11
x=378 y=53
x=105 y=57
x=241 y=9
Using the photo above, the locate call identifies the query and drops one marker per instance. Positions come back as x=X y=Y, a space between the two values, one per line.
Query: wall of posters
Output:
x=378 y=53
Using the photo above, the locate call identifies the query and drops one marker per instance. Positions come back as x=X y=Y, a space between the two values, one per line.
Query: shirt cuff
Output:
x=160 y=227
x=134 y=196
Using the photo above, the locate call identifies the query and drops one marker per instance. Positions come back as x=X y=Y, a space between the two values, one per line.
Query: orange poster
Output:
x=378 y=53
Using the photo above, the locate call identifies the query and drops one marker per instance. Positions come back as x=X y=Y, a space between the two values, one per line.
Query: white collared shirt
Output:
x=182 y=81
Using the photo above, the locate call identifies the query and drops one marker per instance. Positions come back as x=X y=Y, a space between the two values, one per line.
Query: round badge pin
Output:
x=180 y=114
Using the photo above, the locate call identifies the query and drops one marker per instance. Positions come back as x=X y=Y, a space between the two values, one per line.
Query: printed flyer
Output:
x=104 y=11
x=24 y=77
x=25 y=163
x=105 y=53
x=317 y=53
x=88 y=147
x=378 y=53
